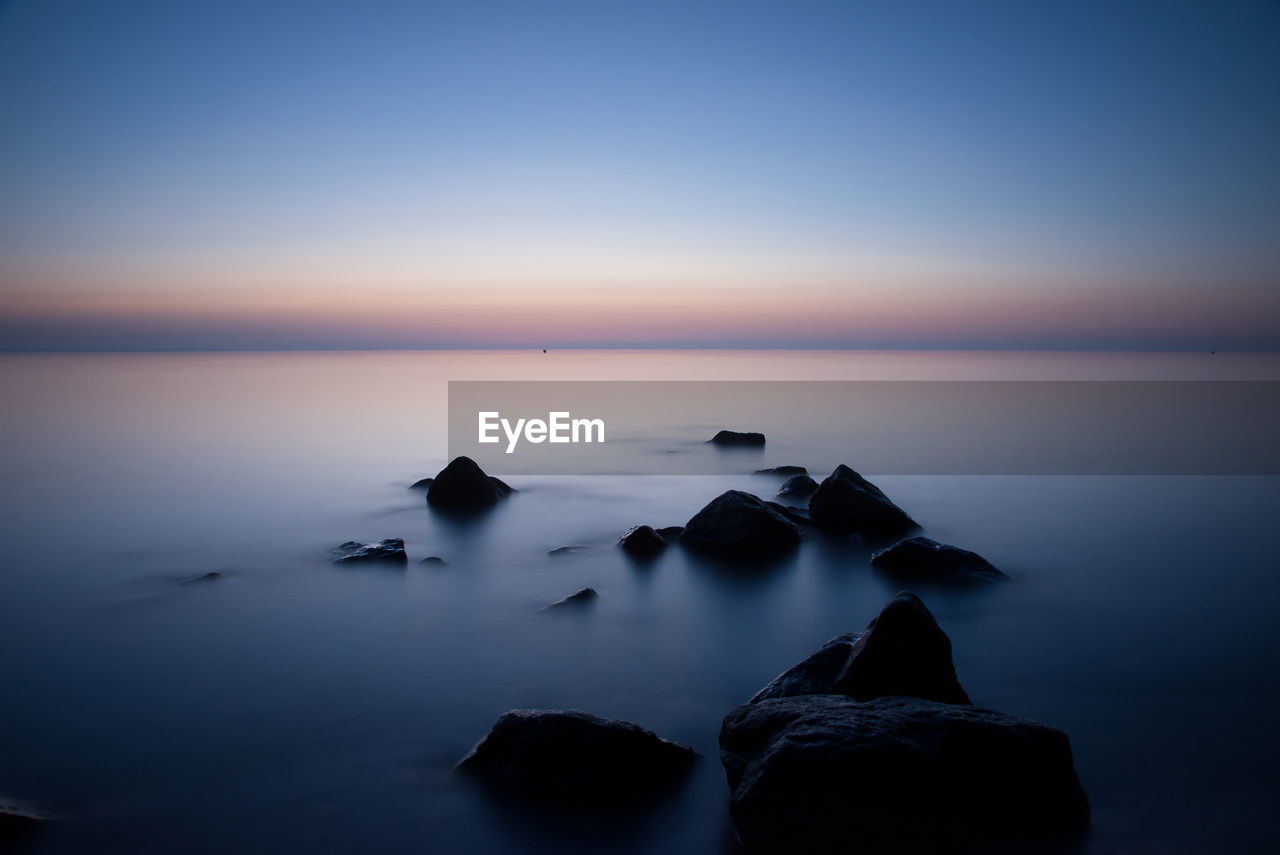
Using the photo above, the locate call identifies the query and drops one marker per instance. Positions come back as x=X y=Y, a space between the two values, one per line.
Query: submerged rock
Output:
x=642 y=542
x=782 y=470
x=389 y=551
x=575 y=759
x=830 y=774
x=902 y=651
x=738 y=525
x=211 y=576
x=434 y=559
x=422 y=484
x=798 y=486
x=463 y=486
x=921 y=559
x=582 y=598
x=573 y=549
x=737 y=438
x=846 y=503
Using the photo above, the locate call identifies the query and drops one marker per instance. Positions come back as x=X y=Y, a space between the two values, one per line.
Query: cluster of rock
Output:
x=871 y=745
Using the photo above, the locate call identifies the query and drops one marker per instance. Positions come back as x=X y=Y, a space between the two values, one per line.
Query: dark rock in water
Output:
x=829 y=774
x=389 y=551
x=573 y=759
x=902 y=651
x=562 y=551
x=782 y=470
x=736 y=438
x=463 y=486
x=920 y=559
x=815 y=675
x=423 y=484
x=671 y=533
x=739 y=526
x=17 y=822
x=434 y=559
x=582 y=598
x=846 y=503
x=211 y=576
x=642 y=542
x=798 y=486
x=797 y=515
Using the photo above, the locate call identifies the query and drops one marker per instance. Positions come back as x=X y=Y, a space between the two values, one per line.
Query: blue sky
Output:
x=274 y=174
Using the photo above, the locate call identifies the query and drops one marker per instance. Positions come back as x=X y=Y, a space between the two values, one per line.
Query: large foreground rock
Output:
x=830 y=774
x=463 y=486
x=921 y=559
x=575 y=759
x=17 y=822
x=902 y=651
x=739 y=526
x=846 y=503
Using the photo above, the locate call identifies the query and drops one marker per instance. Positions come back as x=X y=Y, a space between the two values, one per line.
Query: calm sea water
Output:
x=295 y=706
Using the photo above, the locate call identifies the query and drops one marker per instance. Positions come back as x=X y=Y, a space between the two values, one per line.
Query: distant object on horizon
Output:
x=544 y=350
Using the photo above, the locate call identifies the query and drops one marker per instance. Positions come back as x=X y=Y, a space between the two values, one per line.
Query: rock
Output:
x=562 y=551
x=18 y=822
x=211 y=576
x=815 y=675
x=798 y=516
x=920 y=559
x=782 y=470
x=737 y=525
x=389 y=551
x=902 y=651
x=798 y=486
x=735 y=438
x=463 y=486
x=582 y=598
x=830 y=774
x=422 y=484
x=642 y=542
x=671 y=533
x=574 y=759
x=434 y=559
x=846 y=503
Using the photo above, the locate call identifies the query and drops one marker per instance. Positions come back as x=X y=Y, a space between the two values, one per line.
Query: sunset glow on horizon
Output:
x=281 y=176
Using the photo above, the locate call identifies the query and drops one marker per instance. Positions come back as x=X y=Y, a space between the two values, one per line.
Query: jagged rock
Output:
x=574 y=759
x=920 y=559
x=846 y=503
x=738 y=525
x=736 y=438
x=671 y=533
x=463 y=486
x=902 y=651
x=782 y=470
x=798 y=486
x=830 y=774
x=642 y=542
x=389 y=551
x=582 y=598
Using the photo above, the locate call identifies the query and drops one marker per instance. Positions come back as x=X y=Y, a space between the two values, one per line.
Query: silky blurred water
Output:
x=296 y=706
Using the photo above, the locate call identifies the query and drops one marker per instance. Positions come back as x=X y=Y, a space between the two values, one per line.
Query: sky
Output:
x=310 y=175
